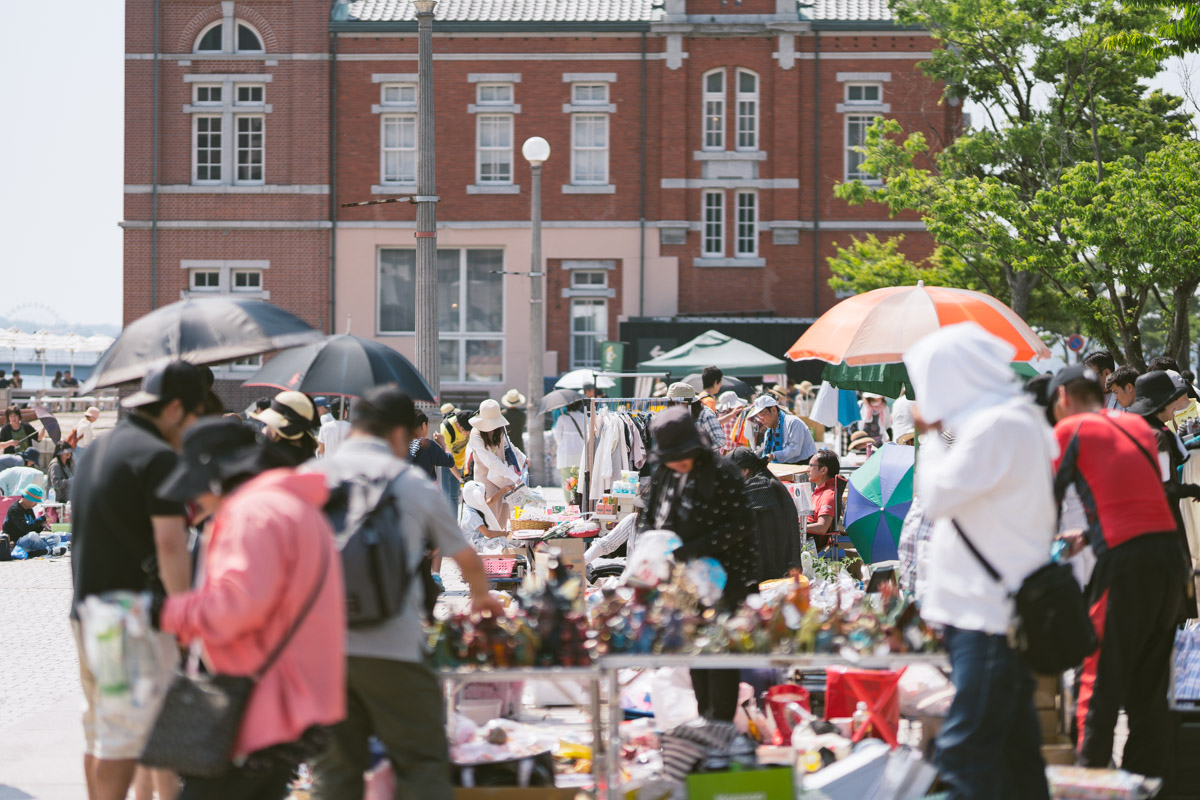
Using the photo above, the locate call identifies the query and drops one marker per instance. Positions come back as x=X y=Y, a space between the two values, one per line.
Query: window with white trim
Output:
x=247 y=364
x=713 y=102
x=494 y=94
x=397 y=94
x=589 y=279
x=398 y=151
x=204 y=280
x=207 y=148
x=250 y=94
x=494 y=150
x=589 y=327
x=246 y=280
x=245 y=39
x=589 y=94
x=856 y=138
x=746 y=97
x=589 y=149
x=714 y=224
x=746 y=239
x=250 y=149
x=470 y=308
x=864 y=94
x=206 y=94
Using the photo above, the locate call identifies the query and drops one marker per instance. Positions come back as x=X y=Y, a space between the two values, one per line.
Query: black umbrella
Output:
x=559 y=398
x=728 y=384
x=342 y=365
x=204 y=331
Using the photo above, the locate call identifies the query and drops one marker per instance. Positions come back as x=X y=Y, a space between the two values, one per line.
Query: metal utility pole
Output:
x=428 y=362
x=536 y=150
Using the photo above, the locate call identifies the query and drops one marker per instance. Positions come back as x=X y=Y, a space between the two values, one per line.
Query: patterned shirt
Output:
x=711 y=426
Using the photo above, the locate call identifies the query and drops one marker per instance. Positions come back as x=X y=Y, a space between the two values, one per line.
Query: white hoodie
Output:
x=996 y=481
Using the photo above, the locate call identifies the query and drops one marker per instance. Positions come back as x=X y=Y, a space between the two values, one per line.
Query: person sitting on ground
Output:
x=15 y=480
x=1122 y=386
x=786 y=440
x=711 y=379
x=427 y=453
x=69 y=381
x=57 y=382
x=823 y=471
x=776 y=523
x=17 y=434
x=477 y=521
x=288 y=426
x=704 y=417
x=61 y=472
x=26 y=529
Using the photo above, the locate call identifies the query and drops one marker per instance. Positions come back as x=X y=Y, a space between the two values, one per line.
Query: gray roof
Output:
x=578 y=11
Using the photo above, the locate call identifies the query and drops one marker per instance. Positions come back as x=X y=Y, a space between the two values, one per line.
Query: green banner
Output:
x=612 y=356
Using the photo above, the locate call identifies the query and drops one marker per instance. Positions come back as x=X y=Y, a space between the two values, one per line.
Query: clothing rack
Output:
x=618 y=405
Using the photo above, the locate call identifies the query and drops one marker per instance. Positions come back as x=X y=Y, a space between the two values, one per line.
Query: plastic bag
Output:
x=673 y=699
x=128 y=658
x=651 y=561
x=708 y=578
x=18 y=553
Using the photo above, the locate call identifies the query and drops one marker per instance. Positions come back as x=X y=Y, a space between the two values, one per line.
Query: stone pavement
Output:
x=40 y=699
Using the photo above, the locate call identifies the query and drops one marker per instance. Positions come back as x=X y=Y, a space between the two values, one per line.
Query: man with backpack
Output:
x=391 y=693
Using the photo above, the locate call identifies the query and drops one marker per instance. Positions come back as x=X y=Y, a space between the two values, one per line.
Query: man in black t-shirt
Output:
x=125 y=537
x=427 y=453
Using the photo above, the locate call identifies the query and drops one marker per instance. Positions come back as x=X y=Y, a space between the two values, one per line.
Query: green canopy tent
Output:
x=713 y=348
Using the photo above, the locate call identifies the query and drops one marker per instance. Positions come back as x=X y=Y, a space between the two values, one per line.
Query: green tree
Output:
x=1178 y=35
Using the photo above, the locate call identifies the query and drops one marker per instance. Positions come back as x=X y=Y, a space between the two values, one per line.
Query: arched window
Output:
x=714 y=109
x=246 y=39
x=747 y=110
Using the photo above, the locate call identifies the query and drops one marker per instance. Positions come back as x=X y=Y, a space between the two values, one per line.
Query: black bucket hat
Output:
x=213 y=450
x=676 y=435
x=1154 y=391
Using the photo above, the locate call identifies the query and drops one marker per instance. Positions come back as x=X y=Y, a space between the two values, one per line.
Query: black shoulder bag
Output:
x=197 y=728
x=1052 y=629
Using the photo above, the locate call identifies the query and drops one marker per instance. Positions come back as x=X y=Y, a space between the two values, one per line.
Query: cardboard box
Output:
x=1045 y=692
x=514 y=793
x=572 y=551
x=758 y=784
x=1049 y=723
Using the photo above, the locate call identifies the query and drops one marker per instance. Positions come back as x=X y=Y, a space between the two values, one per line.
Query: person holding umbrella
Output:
x=498 y=462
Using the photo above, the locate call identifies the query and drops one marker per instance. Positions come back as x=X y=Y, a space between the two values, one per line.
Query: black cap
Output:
x=675 y=434
x=1070 y=374
x=213 y=450
x=177 y=380
x=1154 y=391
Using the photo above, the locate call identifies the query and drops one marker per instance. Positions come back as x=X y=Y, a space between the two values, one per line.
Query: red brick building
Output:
x=695 y=147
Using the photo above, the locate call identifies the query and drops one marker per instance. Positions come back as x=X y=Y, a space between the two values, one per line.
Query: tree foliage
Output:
x=1177 y=35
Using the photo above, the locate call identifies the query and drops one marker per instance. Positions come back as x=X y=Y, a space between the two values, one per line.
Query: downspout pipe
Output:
x=154 y=171
x=333 y=182
x=642 y=200
x=816 y=186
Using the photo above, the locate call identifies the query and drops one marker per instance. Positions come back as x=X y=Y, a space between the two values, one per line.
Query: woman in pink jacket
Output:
x=269 y=568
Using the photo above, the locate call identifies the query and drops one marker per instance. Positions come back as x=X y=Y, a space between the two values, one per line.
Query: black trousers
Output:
x=716 y=693
x=241 y=784
x=1135 y=597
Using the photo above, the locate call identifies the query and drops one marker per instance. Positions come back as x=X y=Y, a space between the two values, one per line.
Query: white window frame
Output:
x=384 y=121
x=849 y=153
x=237 y=150
x=576 y=101
x=196 y=271
x=204 y=32
x=706 y=239
x=196 y=87
x=235 y=289
x=863 y=85
x=237 y=89
x=590 y=273
x=225 y=281
x=262 y=43
x=208 y=181
x=596 y=336
x=718 y=111
x=247 y=364
x=752 y=99
x=385 y=103
x=480 y=150
x=576 y=149
x=739 y=238
x=229 y=36
x=512 y=93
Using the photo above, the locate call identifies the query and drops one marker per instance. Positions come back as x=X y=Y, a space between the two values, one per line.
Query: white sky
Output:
x=61 y=194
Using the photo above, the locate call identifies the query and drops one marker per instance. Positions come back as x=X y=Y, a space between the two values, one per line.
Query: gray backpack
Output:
x=375 y=566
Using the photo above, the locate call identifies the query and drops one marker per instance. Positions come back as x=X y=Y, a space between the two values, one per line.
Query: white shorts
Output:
x=118 y=731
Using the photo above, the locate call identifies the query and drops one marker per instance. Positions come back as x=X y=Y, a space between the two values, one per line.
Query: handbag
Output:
x=197 y=728
x=1052 y=630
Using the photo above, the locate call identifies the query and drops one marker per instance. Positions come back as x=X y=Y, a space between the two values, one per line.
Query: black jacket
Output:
x=21 y=520
x=712 y=517
x=776 y=525
x=1176 y=491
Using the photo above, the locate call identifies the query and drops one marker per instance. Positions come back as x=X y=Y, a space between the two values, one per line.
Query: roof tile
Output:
x=582 y=11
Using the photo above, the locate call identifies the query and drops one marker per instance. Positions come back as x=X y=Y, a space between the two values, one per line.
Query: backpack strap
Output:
x=1153 y=461
x=987 y=565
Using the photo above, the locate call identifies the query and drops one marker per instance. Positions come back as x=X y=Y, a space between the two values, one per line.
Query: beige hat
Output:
x=475 y=496
x=92 y=412
x=489 y=417
x=447 y=408
x=805 y=387
x=291 y=415
x=682 y=391
x=512 y=398
x=860 y=439
x=660 y=389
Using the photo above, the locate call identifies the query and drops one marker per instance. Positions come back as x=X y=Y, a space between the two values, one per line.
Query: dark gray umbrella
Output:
x=342 y=365
x=201 y=331
x=559 y=398
x=728 y=384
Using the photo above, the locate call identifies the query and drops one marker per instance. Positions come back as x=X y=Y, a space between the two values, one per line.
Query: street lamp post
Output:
x=428 y=361
x=536 y=150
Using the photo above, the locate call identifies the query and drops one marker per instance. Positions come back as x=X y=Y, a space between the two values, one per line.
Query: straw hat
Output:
x=805 y=387
x=859 y=440
x=512 y=398
x=660 y=389
x=489 y=418
x=291 y=415
x=447 y=408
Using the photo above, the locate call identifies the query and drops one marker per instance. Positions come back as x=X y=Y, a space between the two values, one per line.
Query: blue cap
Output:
x=320 y=401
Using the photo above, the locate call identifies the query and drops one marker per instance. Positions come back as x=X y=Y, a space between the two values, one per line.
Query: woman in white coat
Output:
x=498 y=463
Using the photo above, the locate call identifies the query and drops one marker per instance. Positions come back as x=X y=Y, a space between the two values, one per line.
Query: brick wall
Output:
x=558 y=308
